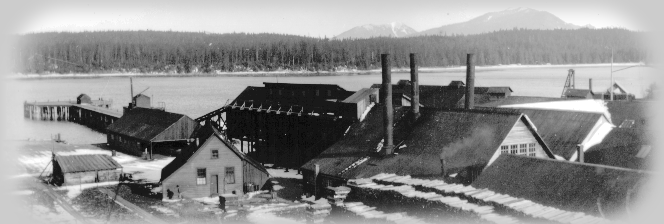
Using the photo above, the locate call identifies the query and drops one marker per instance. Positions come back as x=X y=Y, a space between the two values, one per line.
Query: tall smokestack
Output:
x=470 y=83
x=415 y=85
x=131 y=86
x=590 y=85
x=388 y=115
x=579 y=153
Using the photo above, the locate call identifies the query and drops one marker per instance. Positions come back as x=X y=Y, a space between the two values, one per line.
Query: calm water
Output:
x=195 y=96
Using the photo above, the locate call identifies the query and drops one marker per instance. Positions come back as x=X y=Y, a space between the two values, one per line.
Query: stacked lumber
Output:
x=485 y=196
x=408 y=191
x=336 y=195
x=317 y=210
x=371 y=213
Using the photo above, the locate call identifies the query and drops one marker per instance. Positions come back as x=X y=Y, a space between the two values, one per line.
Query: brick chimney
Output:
x=388 y=114
x=415 y=87
x=470 y=83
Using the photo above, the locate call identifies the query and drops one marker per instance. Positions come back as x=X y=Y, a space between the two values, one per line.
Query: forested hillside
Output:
x=182 y=52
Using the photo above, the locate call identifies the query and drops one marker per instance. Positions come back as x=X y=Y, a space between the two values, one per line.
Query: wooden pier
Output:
x=94 y=114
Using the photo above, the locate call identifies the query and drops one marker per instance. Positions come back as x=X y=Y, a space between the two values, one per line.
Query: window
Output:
x=200 y=176
x=230 y=175
x=514 y=149
x=531 y=147
x=279 y=92
x=317 y=92
x=503 y=149
x=215 y=153
x=522 y=148
x=271 y=92
x=329 y=92
x=293 y=93
x=303 y=93
x=531 y=154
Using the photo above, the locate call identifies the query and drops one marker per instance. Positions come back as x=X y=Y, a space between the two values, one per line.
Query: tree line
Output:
x=200 y=52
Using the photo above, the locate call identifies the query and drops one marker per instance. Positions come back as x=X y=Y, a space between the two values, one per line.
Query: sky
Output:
x=299 y=17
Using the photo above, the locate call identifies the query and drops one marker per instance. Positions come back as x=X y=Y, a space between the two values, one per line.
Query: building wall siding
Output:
x=520 y=134
x=185 y=177
x=90 y=176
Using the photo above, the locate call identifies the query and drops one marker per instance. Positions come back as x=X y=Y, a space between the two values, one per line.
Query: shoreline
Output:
x=310 y=73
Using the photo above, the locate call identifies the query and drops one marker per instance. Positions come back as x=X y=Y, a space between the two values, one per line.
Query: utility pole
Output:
x=611 y=87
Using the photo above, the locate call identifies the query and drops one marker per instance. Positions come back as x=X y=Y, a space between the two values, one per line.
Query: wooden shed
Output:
x=81 y=169
x=143 y=129
x=212 y=166
x=355 y=105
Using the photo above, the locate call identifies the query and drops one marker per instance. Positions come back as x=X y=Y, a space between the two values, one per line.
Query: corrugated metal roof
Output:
x=562 y=130
x=81 y=163
x=360 y=95
x=566 y=185
x=144 y=123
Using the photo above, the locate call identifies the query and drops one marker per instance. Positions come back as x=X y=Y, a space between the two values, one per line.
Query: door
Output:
x=214 y=184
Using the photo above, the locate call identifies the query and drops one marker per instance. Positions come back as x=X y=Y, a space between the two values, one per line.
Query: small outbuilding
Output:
x=81 y=169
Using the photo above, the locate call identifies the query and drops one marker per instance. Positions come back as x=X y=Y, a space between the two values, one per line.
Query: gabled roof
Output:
x=204 y=133
x=360 y=95
x=623 y=147
x=561 y=184
x=562 y=130
x=578 y=93
x=462 y=137
x=82 y=163
x=144 y=123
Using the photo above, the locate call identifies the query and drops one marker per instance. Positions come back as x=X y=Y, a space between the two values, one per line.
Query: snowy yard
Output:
x=39 y=157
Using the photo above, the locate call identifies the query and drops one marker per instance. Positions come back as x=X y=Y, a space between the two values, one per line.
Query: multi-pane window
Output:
x=215 y=153
x=230 y=175
x=200 y=176
x=504 y=149
x=522 y=148
x=526 y=149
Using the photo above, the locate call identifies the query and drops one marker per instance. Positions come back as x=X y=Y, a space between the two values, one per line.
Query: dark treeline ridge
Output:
x=198 y=52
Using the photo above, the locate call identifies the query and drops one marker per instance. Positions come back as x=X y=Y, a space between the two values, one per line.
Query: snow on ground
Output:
x=282 y=173
x=165 y=210
x=46 y=215
x=23 y=192
x=265 y=213
x=149 y=171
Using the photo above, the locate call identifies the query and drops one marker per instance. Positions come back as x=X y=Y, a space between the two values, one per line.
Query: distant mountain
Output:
x=384 y=30
x=507 y=19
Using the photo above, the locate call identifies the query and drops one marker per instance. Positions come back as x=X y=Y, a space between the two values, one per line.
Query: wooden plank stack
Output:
x=456 y=192
x=336 y=195
x=317 y=210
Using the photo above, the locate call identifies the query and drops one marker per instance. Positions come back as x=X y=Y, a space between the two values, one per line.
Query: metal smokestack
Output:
x=470 y=83
x=590 y=85
x=579 y=152
x=415 y=85
x=388 y=115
